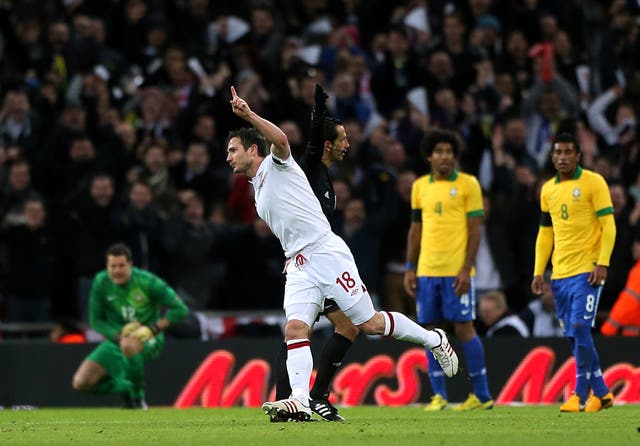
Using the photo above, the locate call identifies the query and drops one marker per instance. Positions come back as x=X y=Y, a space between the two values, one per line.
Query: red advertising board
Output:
x=239 y=372
x=533 y=381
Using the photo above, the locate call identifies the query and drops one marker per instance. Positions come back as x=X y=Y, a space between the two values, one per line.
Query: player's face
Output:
x=238 y=157
x=340 y=146
x=565 y=158
x=119 y=269
x=442 y=160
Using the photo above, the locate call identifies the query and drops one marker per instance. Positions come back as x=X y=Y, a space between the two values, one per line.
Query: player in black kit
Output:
x=328 y=144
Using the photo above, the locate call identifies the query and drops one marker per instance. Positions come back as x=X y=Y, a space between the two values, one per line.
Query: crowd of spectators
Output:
x=114 y=115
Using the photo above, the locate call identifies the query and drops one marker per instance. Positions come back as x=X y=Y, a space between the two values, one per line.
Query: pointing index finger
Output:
x=233 y=92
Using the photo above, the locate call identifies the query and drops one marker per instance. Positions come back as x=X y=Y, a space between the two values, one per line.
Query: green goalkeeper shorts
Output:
x=110 y=357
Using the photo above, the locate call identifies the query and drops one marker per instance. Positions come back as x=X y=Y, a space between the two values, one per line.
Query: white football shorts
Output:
x=326 y=270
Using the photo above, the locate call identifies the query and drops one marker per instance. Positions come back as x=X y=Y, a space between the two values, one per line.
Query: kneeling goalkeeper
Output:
x=125 y=306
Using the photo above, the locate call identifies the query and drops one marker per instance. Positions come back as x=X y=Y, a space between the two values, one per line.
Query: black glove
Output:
x=320 y=105
x=317 y=117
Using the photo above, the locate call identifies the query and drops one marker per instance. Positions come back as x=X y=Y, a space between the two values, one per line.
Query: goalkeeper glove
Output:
x=317 y=117
x=130 y=328
x=143 y=333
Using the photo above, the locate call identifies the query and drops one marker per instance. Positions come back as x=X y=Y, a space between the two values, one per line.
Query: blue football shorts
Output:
x=576 y=301
x=436 y=301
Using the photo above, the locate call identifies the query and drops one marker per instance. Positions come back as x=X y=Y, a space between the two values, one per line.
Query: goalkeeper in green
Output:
x=126 y=306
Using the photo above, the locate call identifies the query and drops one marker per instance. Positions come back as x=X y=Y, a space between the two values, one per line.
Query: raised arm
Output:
x=315 y=146
x=277 y=138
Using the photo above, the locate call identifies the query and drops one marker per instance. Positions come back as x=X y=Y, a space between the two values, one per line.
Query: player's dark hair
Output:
x=249 y=136
x=568 y=125
x=566 y=137
x=432 y=139
x=329 y=131
x=120 y=249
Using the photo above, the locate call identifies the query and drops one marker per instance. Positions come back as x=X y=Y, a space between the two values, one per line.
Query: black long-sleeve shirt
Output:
x=318 y=175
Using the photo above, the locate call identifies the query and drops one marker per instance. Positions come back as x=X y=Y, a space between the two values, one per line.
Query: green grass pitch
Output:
x=393 y=426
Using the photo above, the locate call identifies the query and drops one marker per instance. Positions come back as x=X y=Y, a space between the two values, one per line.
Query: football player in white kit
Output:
x=322 y=265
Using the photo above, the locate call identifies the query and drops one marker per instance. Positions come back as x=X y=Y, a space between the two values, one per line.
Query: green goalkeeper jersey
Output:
x=143 y=299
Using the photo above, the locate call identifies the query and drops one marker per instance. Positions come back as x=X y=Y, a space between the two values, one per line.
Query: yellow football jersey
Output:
x=574 y=206
x=445 y=207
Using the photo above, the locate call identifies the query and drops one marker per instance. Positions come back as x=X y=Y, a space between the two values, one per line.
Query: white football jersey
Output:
x=285 y=201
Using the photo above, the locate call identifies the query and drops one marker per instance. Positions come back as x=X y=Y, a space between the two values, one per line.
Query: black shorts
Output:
x=329 y=306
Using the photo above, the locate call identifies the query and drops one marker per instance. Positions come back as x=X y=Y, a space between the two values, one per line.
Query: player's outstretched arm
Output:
x=317 y=117
x=315 y=146
x=271 y=132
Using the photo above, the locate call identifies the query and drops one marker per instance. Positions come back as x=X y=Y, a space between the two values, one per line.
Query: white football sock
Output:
x=402 y=328
x=299 y=367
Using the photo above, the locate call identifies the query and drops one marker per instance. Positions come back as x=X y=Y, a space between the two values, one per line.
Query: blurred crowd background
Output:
x=114 y=115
